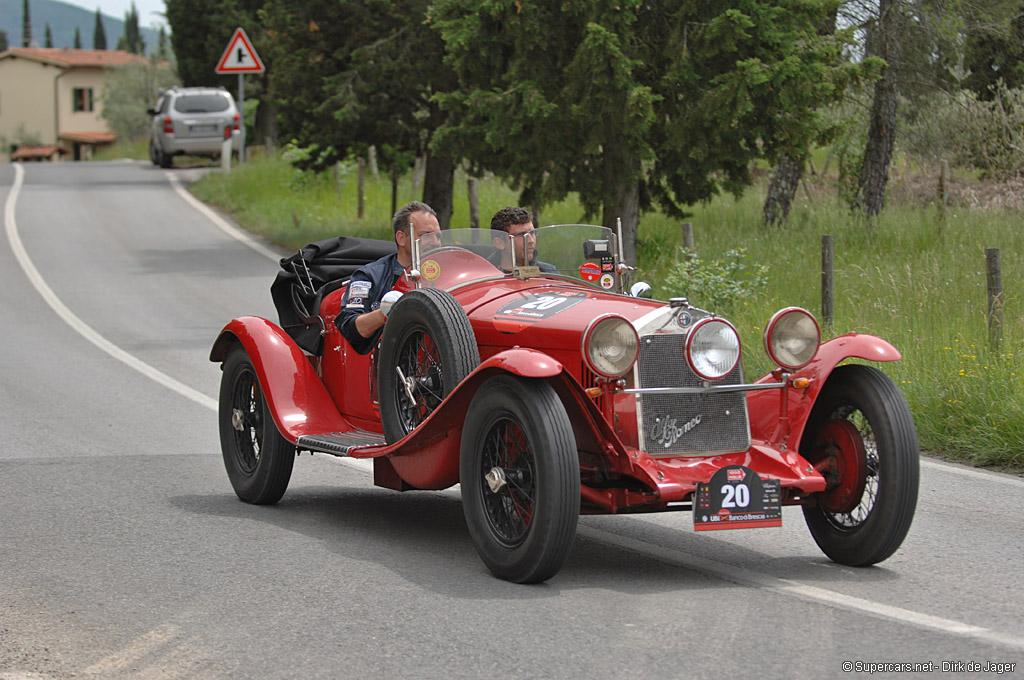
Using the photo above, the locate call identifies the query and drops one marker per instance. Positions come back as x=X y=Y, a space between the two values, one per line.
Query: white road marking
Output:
x=143 y=647
x=998 y=477
x=711 y=567
x=220 y=222
x=83 y=329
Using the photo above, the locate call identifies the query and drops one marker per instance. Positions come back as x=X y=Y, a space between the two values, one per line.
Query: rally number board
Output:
x=737 y=498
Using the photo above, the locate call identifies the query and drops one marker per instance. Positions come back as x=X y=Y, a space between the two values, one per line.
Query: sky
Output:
x=150 y=11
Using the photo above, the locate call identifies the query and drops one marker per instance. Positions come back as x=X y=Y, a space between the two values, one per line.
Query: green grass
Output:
x=137 y=149
x=912 y=278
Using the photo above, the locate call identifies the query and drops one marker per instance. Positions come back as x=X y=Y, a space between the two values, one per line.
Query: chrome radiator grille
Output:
x=675 y=424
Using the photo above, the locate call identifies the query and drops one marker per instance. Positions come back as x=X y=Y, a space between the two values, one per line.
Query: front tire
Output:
x=862 y=432
x=257 y=458
x=520 y=479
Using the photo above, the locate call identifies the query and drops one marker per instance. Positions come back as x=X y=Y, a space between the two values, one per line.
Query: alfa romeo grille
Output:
x=675 y=424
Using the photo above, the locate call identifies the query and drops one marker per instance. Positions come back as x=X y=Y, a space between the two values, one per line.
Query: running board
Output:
x=339 y=443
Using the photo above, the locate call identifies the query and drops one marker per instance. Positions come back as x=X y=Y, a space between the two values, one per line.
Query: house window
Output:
x=81 y=99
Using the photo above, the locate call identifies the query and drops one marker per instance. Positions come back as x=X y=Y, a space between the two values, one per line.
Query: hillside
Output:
x=63 y=18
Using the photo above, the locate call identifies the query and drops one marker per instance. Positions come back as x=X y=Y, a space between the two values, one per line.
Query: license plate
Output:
x=737 y=498
x=202 y=128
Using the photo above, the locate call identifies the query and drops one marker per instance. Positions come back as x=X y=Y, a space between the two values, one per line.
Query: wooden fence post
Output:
x=995 y=297
x=688 y=242
x=474 y=203
x=827 y=281
x=361 y=187
x=943 y=189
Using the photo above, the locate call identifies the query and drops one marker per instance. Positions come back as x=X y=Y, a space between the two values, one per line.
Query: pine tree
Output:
x=78 y=39
x=99 y=36
x=49 y=36
x=26 y=26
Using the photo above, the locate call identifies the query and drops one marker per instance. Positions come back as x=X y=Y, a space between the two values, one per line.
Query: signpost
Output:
x=240 y=57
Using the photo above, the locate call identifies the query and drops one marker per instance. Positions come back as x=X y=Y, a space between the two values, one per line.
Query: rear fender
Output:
x=298 y=400
x=763 y=405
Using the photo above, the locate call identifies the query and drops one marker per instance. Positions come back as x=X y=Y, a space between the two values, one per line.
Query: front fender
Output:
x=763 y=406
x=298 y=400
x=428 y=458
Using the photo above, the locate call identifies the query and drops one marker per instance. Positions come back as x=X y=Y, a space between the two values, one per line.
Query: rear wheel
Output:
x=257 y=458
x=520 y=479
x=861 y=436
x=427 y=348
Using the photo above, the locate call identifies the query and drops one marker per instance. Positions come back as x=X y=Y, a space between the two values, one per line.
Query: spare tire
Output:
x=427 y=348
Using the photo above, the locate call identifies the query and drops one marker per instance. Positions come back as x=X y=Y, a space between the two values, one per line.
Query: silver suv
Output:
x=192 y=121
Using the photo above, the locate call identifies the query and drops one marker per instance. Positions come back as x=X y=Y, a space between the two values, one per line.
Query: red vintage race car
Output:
x=546 y=394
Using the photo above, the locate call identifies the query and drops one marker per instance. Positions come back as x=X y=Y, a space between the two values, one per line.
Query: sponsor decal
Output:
x=607 y=266
x=431 y=270
x=607 y=281
x=359 y=289
x=354 y=302
x=735 y=475
x=665 y=432
x=590 y=271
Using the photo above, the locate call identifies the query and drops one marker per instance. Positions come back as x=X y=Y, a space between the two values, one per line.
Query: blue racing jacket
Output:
x=365 y=290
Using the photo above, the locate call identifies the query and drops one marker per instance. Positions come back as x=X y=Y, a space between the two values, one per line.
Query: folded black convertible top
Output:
x=313 y=272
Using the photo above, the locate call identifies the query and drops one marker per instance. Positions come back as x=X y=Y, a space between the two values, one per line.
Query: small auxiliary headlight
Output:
x=791 y=338
x=713 y=348
x=610 y=346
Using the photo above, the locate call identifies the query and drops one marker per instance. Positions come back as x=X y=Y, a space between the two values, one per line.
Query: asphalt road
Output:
x=125 y=553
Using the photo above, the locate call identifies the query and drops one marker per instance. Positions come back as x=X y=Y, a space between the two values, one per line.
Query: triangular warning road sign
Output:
x=239 y=57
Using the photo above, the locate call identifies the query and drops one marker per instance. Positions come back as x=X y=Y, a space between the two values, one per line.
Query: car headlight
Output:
x=791 y=338
x=713 y=348
x=610 y=346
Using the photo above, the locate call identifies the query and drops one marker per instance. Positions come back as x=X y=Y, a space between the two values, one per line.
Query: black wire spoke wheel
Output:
x=426 y=350
x=509 y=462
x=520 y=478
x=420 y=362
x=861 y=435
x=257 y=458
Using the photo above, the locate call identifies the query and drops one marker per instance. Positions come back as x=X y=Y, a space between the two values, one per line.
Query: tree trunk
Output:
x=781 y=190
x=874 y=173
x=438 y=187
x=266 y=124
x=624 y=203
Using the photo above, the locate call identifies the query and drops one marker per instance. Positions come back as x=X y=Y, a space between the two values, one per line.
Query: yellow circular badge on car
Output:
x=431 y=270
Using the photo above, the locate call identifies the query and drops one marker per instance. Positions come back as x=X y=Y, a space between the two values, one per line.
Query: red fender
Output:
x=298 y=400
x=763 y=405
x=429 y=457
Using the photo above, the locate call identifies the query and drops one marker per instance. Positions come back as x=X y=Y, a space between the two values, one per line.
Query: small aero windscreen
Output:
x=202 y=103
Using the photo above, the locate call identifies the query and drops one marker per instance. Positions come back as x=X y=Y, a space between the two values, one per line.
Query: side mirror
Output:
x=151 y=112
x=641 y=289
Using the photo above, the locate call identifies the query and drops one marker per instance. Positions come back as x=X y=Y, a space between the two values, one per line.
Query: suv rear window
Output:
x=201 y=103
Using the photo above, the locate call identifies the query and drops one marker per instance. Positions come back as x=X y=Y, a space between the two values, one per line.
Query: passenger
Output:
x=368 y=299
x=519 y=223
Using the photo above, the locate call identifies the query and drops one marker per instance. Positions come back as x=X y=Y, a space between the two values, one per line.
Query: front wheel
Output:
x=862 y=436
x=520 y=479
x=257 y=458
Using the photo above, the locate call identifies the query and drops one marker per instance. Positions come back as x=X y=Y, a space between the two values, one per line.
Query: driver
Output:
x=519 y=223
x=368 y=299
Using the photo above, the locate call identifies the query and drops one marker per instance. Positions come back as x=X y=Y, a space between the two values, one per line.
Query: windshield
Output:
x=202 y=103
x=582 y=252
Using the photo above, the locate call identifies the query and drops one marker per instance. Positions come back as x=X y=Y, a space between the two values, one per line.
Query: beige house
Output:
x=53 y=96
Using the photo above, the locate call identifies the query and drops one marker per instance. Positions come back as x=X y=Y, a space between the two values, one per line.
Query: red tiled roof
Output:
x=63 y=56
x=34 y=151
x=88 y=137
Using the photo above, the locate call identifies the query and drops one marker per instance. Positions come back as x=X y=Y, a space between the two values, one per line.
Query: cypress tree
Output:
x=99 y=36
x=3 y=41
x=26 y=26
x=78 y=39
x=49 y=36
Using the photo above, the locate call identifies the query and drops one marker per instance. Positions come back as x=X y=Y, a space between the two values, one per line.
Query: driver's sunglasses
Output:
x=529 y=233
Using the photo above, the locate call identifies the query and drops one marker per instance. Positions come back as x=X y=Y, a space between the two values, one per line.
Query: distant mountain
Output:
x=63 y=18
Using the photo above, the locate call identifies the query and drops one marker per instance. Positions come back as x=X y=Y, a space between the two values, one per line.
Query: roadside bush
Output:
x=716 y=285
